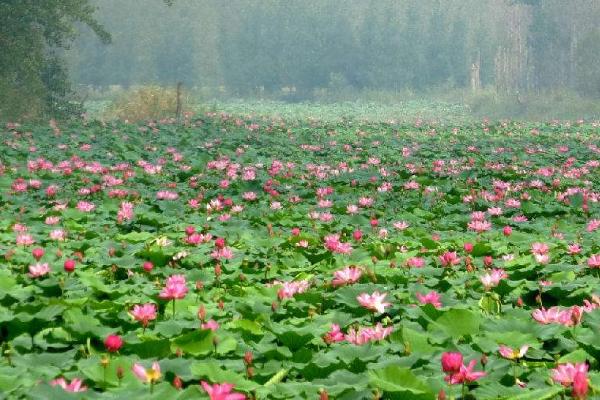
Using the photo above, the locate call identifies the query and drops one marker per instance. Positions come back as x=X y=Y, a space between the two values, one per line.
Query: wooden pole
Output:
x=178 y=111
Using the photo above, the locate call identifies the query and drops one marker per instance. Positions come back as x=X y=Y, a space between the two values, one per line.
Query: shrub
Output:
x=145 y=103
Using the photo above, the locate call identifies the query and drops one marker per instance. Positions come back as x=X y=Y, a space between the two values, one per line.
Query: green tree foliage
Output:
x=33 y=33
x=241 y=47
x=587 y=61
x=33 y=80
x=248 y=47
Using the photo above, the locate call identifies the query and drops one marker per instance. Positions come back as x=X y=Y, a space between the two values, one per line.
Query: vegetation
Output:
x=448 y=107
x=291 y=259
x=243 y=48
x=300 y=199
x=144 y=103
x=33 y=79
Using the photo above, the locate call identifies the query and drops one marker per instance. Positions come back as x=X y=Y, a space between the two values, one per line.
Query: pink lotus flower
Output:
x=69 y=265
x=495 y=211
x=19 y=185
x=38 y=270
x=85 y=206
x=558 y=235
x=166 y=195
x=488 y=261
x=401 y=225
x=193 y=239
x=249 y=174
x=490 y=280
x=58 y=234
x=249 y=196
x=591 y=306
x=508 y=257
x=567 y=317
x=303 y=244
x=326 y=217
x=351 y=209
x=593 y=225
x=333 y=244
x=113 y=343
x=539 y=248
x=365 y=335
x=125 y=212
x=75 y=386
x=346 y=276
x=223 y=253
x=210 y=324
x=574 y=249
x=513 y=203
x=365 y=202
x=478 y=216
x=204 y=238
x=449 y=259
x=19 y=228
x=144 y=313
x=378 y=332
x=37 y=253
x=334 y=335
x=415 y=262
x=373 y=302
x=221 y=391
x=432 y=298
x=513 y=354
x=314 y=215
x=520 y=218
x=576 y=314
x=565 y=373
x=175 y=288
x=52 y=220
x=411 y=185
x=324 y=203
x=25 y=239
x=468 y=246
x=147 y=375
x=548 y=316
x=451 y=362
x=580 y=385
x=594 y=261
x=465 y=374
x=480 y=226
x=289 y=289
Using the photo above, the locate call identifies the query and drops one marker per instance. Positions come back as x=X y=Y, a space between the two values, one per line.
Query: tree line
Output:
x=376 y=44
x=300 y=46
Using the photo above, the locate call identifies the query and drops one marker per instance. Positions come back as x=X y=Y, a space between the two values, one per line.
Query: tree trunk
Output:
x=475 y=74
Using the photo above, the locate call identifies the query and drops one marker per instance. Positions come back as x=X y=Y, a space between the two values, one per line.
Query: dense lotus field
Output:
x=249 y=258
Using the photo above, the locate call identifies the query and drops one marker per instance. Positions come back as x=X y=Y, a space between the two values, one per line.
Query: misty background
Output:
x=515 y=57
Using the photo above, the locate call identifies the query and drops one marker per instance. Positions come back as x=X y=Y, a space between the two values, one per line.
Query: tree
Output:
x=33 y=80
x=587 y=59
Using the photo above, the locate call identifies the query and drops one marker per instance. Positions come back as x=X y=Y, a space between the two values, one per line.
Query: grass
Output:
x=442 y=106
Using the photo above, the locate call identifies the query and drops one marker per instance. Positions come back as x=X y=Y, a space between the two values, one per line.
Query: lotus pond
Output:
x=232 y=258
